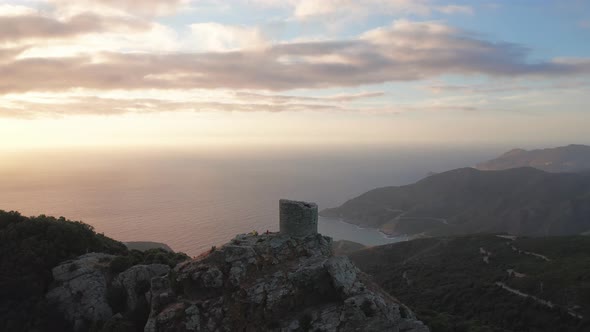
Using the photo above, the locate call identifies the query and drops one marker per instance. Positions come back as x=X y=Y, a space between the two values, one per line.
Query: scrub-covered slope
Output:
x=488 y=282
x=523 y=201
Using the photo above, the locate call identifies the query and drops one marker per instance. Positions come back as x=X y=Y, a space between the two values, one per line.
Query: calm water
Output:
x=193 y=199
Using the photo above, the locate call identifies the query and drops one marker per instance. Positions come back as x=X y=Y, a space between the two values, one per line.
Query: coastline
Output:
x=384 y=235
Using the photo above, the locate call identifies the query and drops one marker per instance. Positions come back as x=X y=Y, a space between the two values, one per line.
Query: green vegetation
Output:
x=146 y=245
x=524 y=201
x=449 y=285
x=31 y=246
x=150 y=256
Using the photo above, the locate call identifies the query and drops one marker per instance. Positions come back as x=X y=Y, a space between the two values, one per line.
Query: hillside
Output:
x=571 y=158
x=524 y=201
x=345 y=247
x=488 y=282
x=30 y=247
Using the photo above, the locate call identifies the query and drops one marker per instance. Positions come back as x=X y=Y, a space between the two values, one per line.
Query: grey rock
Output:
x=170 y=318
x=343 y=273
x=236 y=272
x=161 y=294
x=193 y=321
x=132 y=279
x=212 y=278
x=234 y=253
x=81 y=292
x=274 y=282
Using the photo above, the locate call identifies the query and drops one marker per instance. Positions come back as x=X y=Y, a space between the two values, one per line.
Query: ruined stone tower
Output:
x=298 y=219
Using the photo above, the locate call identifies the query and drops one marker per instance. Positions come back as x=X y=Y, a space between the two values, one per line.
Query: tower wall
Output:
x=298 y=219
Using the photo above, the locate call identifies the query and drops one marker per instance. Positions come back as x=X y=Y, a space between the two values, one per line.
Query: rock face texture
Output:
x=81 y=294
x=273 y=282
x=136 y=281
x=83 y=286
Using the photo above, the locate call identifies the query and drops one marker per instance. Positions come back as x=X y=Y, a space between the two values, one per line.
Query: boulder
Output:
x=80 y=294
x=136 y=281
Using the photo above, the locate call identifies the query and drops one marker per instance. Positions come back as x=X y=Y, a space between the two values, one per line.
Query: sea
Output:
x=192 y=198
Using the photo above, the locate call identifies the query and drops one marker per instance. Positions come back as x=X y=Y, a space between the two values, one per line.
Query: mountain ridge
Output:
x=525 y=201
x=569 y=158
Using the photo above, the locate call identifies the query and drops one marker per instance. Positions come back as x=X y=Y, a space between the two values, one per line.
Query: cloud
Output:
x=282 y=99
x=312 y=9
x=405 y=51
x=86 y=102
x=243 y=102
x=355 y=96
x=8 y=54
x=15 y=10
x=503 y=87
x=455 y=9
x=137 y=7
x=219 y=37
x=19 y=28
x=113 y=106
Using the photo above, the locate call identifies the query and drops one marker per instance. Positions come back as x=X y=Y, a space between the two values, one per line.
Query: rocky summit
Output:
x=285 y=281
x=273 y=282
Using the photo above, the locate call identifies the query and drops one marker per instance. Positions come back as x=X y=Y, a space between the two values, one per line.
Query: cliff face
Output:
x=273 y=282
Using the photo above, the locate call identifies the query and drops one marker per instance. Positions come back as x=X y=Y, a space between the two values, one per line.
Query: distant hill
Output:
x=571 y=158
x=488 y=282
x=524 y=201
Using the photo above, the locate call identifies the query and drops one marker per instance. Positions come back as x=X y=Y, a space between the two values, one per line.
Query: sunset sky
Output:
x=211 y=72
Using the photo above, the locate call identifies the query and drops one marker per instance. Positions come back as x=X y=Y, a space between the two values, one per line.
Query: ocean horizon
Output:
x=192 y=200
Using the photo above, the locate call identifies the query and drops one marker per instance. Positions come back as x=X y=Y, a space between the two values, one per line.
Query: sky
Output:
x=104 y=73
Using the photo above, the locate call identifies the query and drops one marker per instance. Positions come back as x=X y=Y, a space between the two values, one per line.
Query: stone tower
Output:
x=298 y=219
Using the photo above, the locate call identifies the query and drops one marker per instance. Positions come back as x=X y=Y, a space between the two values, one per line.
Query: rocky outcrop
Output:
x=136 y=282
x=268 y=282
x=273 y=282
x=89 y=296
x=81 y=290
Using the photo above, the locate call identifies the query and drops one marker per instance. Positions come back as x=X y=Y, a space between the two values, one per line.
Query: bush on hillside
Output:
x=29 y=248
